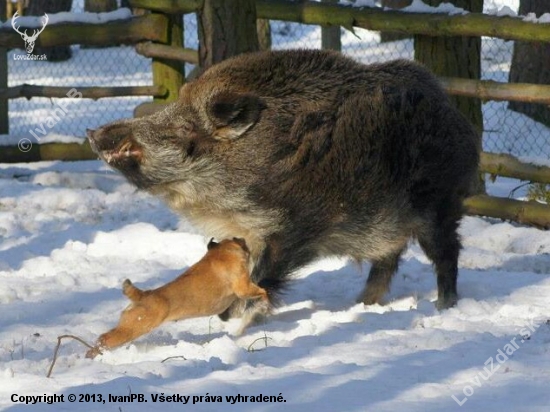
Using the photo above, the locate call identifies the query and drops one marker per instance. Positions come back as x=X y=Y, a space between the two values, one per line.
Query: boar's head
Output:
x=179 y=142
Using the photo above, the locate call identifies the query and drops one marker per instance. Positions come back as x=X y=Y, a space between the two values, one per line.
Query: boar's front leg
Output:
x=380 y=277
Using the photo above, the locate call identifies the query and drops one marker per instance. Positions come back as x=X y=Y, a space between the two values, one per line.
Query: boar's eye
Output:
x=191 y=145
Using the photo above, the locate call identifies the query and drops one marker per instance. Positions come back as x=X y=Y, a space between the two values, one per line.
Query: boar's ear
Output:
x=234 y=113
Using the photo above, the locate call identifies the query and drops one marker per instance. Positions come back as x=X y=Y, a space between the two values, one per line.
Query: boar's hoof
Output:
x=446 y=302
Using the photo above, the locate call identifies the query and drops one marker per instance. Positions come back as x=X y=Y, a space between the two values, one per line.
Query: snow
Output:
x=66 y=17
x=71 y=232
x=506 y=11
x=535 y=160
x=491 y=7
x=359 y=3
x=418 y=6
x=532 y=17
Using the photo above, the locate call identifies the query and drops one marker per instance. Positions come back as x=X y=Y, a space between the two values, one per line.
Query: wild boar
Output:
x=308 y=154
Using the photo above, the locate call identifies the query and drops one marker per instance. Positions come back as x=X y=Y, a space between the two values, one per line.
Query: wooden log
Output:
x=311 y=12
x=491 y=90
x=30 y=90
x=510 y=166
x=163 y=51
x=153 y=27
x=525 y=212
x=47 y=151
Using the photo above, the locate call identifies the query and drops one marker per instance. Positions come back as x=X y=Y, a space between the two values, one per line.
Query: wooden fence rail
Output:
x=29 y=90
x=153 y=27
x=525 y=212
x=326 y=14
x=510 y=166
x=497 y=91
x=149 y=49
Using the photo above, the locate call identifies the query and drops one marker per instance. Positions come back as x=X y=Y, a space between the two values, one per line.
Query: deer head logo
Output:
x=29 y=40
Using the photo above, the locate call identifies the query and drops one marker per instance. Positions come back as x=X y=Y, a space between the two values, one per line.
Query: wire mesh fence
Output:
x=504 y=131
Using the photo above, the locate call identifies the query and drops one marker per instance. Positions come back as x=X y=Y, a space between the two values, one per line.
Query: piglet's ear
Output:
x=242 y=243
x=211 y=244
x=234 y=113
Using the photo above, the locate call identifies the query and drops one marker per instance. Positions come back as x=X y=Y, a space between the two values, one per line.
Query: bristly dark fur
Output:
x=307 y=154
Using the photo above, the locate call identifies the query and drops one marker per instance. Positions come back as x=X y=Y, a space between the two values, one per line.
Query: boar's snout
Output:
x=115 y=145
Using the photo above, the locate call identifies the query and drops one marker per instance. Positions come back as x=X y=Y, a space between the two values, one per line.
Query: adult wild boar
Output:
x=305 y=154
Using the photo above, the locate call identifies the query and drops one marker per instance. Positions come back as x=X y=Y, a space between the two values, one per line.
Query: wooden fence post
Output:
x=331 y=36
x=170 y=73
x=4 y=121
x=226 y=28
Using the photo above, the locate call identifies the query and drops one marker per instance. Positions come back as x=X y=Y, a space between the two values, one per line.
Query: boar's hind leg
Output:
x=442 y=246
x=379 y=280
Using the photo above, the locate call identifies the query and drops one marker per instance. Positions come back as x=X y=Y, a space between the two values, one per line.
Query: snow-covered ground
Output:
x=70 y=233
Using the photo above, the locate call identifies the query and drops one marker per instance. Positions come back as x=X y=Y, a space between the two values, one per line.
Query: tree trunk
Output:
x=531 y=64
x=226 y=28
x=38 y=8
x=456 y=57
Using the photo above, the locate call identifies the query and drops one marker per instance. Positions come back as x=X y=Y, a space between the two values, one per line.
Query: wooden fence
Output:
x=159 y=35
x=153 y=27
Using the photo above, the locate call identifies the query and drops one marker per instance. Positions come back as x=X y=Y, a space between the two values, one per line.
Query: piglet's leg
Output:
x=136 y=320
x=245 y=289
